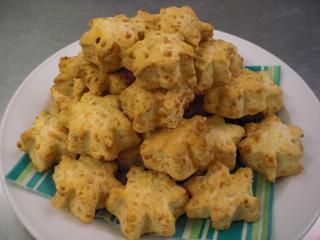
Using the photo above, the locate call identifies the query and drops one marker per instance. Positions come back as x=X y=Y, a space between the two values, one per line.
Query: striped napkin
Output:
x=24 y=175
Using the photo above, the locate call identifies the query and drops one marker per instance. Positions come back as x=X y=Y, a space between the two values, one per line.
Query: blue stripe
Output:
x=233 y=233
x=270 y=211
x=18 y=168
x=253 y=68
x=47 y=186
x=180 y=226
x=210 y=231
x=34 y=180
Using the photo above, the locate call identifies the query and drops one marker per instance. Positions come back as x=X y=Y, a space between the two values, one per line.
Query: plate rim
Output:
x=24 y=220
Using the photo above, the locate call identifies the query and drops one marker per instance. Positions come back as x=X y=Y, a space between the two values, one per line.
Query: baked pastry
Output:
x=216 y=62
x=45 y=141
x=119 y=81
x=179 y=152
x=222 y=196
x=150 y=202
x=149 y=109
x=107 y=38
x=83 y=185
x=272 y=148
x=248 y=94
x=223 y=139
x=183 y=20
x=161 y=60
x=98 y=128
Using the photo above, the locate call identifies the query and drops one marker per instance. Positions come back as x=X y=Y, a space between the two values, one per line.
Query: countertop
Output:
x=33 y=30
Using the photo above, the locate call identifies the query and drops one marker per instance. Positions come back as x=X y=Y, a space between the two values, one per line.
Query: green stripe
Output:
x=270 y=211
x=196 y=228
x=255 y=229
x=265 y=211
x=25 y=173
x=253 y=68
x=210 y=231
x=34 y=180
x=180 y=226
x=233 y=233
x=47 y=187
x=202 y=228
x=18 y=168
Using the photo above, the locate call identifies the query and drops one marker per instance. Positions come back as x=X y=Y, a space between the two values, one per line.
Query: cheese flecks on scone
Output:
x=103 y=44
x=272 y=148
x=222 y=196
x=216 y=62
x=150 y=202
x=149 y=109
x=83 y=185
x=223 y=139
x=247 y=94
x=45 y=141
x=161 y=60
x=185 y=22
x=179 y=152
x=98 y=127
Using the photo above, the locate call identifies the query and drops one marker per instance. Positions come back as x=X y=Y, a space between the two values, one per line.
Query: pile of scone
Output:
x=119 y=109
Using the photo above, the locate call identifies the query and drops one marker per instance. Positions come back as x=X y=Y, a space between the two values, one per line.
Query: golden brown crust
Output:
x=149 y=203
x=223 y=139
x=222 y=196
x=272 y=148
x=185 y=22
x=45 y=142
x=179 y=152
x=161 y=60
x=83 y=185
x=217 y=61
x=103 y=44
x=247 y=94
x=97 y=127
x=149 y=109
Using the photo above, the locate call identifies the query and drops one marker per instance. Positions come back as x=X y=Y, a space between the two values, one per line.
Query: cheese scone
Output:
x=222 y=196
x=161 y=60
x=248 y=94
x=150 y=202
x=272 y=148
x=184 y=21
x=103 y=44
x=98 y=127
x=45 y=142
x=179 y=152
x=149 y=109
x=83 y=185
x=217 y=61
x=223 y=139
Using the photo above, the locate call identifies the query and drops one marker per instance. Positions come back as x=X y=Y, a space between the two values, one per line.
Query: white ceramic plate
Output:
x=297 y=199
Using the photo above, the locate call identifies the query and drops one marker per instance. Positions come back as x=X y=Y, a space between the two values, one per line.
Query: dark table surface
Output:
x=30 y=31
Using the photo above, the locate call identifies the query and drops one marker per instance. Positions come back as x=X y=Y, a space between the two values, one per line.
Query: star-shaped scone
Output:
x=216 y=62
x=184 y=21
x=98 y=127
x=272 y=148
x=150 y=21
x=83 y=185
x=179 y=152
x=222 y=196
x=248 y=94
x=45 y=141
x=149 y=109
x=223 y=139
x=150 y=202
x=107 y=38
x=161 y=60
